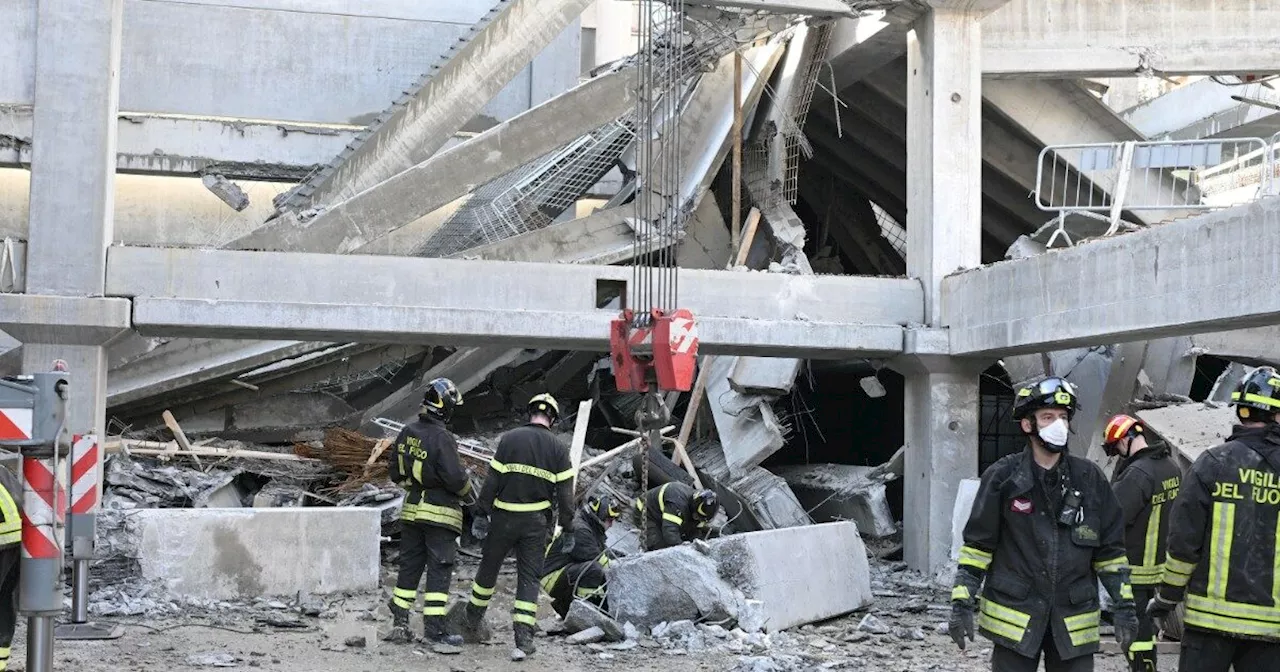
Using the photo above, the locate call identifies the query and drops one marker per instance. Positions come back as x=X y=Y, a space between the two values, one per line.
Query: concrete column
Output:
x=71 y=204
x=944 y=234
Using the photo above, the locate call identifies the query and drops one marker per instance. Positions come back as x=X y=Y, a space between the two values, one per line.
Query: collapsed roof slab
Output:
x=1176 y=279
x=1206 y=109
x=232 y=294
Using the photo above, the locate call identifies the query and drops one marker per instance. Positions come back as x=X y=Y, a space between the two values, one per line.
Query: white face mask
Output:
x=1055 y=434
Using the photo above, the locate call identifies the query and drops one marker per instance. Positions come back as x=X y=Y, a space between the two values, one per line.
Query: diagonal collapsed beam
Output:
x=1212 y=272
x=349 y=225
x=454 y=92
x=397 y=300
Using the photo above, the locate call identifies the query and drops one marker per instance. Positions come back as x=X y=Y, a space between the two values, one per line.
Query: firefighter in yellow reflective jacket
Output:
x=530 y=478
x=577 y=570
x=1045 y=528
x=10 y=555
x=425 y=463
x=1145 y=481
x=676 y=514
x=1224 y=552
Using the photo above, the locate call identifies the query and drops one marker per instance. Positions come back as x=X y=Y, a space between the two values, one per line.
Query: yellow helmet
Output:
x=546 y=404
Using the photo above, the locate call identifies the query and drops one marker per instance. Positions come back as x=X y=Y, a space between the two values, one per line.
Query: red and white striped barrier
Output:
x=84 y=473
x=43 y=508
x=15 y=423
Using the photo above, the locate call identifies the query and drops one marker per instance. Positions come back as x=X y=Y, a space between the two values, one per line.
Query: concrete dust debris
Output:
x=212 y=659
x=872 y=625
x=588 y=636
x=583 y=615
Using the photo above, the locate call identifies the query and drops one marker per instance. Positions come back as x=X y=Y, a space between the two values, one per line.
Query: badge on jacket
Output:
x=1022 y=505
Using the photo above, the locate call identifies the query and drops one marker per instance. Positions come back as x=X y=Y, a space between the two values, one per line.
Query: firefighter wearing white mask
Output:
x=1045 y=528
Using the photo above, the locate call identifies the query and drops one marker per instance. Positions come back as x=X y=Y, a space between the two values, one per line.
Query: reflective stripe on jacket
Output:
x=1146 y=485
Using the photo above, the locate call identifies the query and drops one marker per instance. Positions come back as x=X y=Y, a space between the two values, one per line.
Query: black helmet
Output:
x=545 y=404
x=705 y=504
x=441 y=398
x=1259 y=391
x=1052 y=392
x=603 y=507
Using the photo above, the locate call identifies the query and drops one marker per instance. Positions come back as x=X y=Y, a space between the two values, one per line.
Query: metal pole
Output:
x=40 y=643
x=736 y=224
x=80 y=591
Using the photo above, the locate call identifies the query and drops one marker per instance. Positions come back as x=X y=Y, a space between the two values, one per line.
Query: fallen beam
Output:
x=1176 y=279
x=455 y=91
x=448 y=175
x=825 y=8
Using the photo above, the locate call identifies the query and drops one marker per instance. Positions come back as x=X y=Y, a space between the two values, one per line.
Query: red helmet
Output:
x=1120 y=427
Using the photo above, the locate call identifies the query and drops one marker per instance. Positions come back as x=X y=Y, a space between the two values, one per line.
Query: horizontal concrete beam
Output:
x=808 y=7
x=1176 y=279
x=65 y=320
x=230 y=294
x=1206 y=108
x=1108 y=38
x=154 y=143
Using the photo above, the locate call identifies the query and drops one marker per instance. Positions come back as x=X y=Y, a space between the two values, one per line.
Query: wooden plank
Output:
x=579 y=436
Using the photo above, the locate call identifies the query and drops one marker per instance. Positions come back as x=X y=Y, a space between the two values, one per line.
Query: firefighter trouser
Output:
x=434 y=549
x=1204 y=651
x=1142 y=655
x=9 y=559
x=652 y=539
x=1008 y=660
x=526 y=534
x=583 y=580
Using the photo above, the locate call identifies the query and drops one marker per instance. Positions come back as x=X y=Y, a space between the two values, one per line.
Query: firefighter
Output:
x=1223 y=552
x=1045 y=528
x=530 y=477
x=10 y=555
x=1145 y=481
x=425 y=463
x=579 y=572
x=675 y=514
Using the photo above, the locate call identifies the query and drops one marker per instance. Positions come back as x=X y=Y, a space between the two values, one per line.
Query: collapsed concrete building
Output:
x=267 y=251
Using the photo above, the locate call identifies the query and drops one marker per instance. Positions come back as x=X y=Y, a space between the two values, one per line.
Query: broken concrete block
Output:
x=800 y=574
x=770 y=500
x=226 y=554
x=588 y=636
x=1191 y=429
x=672 y=584
x=831 y=492
x=1228 y=381
x=583 y=615
x=749 y=430
x=226 y=190
x=773 y=376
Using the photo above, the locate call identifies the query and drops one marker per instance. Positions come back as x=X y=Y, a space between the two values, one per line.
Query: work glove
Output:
x=1159 y=609
x=568 y=541
x=964 y=600
x=1125 y=620
x=480 y=526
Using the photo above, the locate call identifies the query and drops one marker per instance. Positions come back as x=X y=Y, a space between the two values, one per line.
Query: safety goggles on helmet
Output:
x=1050 y=392
x=1257 y=398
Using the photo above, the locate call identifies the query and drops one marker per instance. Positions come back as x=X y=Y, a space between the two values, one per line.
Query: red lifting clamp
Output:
x=664 y=351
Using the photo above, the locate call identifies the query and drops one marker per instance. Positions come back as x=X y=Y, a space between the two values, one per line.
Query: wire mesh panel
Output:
x=1157 y=175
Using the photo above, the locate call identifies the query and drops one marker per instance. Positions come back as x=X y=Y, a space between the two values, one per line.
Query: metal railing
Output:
x=1102 y=180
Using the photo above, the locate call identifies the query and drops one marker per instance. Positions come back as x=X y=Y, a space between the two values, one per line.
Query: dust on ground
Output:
x=901 y=631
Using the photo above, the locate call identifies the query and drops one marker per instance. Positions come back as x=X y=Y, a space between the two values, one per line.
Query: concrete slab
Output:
x=1191 y=429
x=226 y=554
x=748 y=429
x=800 y=574
x=836 y=492
x=764 y=375
x=770 y=500
x=670 y=585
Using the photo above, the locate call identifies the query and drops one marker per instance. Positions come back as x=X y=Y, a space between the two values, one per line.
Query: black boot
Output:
x=524 y=642
x=435 y=634
x=399 y=626
x=474 y=628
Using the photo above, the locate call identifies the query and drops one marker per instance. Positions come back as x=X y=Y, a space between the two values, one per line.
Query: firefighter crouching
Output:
x=1045 y=528
x=1223 y=557
x=1145 y=481
x=676 y=514
x=425 y=463
x=10 y=556
x=576 y=569
x=530 y=477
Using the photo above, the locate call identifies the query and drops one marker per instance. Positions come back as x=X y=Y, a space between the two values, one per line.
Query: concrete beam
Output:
x=469 y=75
x=603 y=237
x=865 y=44
x=448 y=175
x=70 y=320
x=236 y=148
x=1185 y=281
x=1257 y=347
x=1206 y=109
x=1064 y=39
x=822 y=8
x=379 y=299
